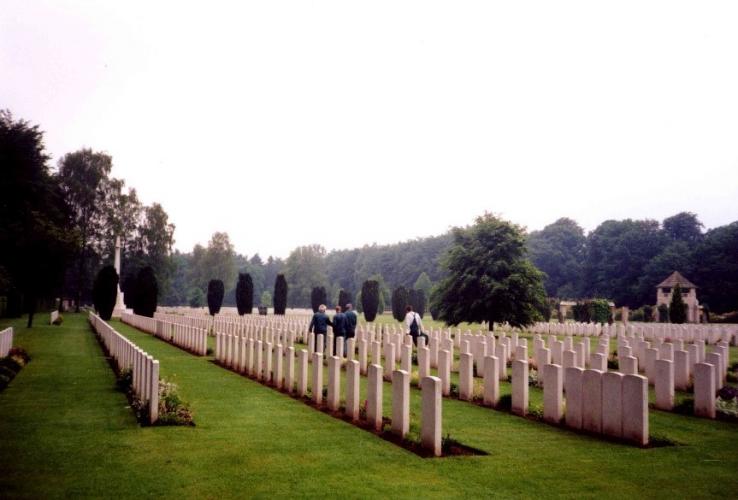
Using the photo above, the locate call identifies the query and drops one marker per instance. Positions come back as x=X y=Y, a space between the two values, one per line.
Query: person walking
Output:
x=319 y=325
x=414 y=325
x=339 y=330
x=351 y=320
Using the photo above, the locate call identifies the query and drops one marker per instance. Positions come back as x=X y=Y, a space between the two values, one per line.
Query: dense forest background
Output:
x=621 y=260
x=58 y=228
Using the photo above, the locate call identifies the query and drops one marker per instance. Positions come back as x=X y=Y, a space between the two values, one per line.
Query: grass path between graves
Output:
x=65 y=431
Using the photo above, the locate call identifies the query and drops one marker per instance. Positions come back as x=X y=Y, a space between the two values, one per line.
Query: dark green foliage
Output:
x=600 y=311
x=559 y=250
x=216 y=291
x=417 y=299
x=717 y=271
x=647 y=314
x=280 y=294
x=344 y=298
x=617 y=254
x=195 y=297
x=400 y=299
x=147 y=293
x=489 y=279
x=370 y=299
x=244 y=294
x=318 y=297
x=677 y=308
x=663 y=313
x=581 y=312
x=36 y=235
x=684 y=227
x=401 y=263
x=105 y=292
x=305 y=269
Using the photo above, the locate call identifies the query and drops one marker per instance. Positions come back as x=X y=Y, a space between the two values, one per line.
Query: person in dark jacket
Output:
x=339 y=330
x=319 y=325
x=351 y=320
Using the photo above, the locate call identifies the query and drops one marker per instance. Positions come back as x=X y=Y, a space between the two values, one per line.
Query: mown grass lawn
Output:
x=66 y=432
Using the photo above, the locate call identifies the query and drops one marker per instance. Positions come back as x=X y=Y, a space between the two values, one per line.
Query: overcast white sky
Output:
x=344 y=123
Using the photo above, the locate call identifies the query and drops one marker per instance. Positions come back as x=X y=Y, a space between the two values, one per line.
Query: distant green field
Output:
x=66 y=432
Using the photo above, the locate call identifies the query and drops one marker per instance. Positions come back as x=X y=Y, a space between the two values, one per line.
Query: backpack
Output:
x=414 y=326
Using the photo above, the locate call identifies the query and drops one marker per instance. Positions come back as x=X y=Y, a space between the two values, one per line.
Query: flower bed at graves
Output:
x=12 y=364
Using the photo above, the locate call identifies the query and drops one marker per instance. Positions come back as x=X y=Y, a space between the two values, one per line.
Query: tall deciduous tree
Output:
x=370 y=299
x=716 y=268
x=559 y=250
x=280 y=294
x=400 y=300
x=36 y=236
x=244 y=294
x=84 y=179
x=305 y=269
x=424 y=284
x=684 y=226
x=617 y=255
x=489 y=278
x=216 y=291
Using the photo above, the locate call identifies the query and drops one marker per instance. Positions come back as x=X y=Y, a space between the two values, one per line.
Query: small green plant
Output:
x=454 y=388
x=447 y=443
x=505 y=402
x=727 y=408
x=363 y=410
x=612 y=363
x=684 y=407
x=124 y=380
x=536 y=411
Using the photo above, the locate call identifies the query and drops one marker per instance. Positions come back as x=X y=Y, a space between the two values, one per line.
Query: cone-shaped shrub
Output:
x=105 y=291
x=280 y=294
x=399 y=302
x=216 y=291
x=244 y=294
x=318 y=296
x=147 y=293
x=370 y=299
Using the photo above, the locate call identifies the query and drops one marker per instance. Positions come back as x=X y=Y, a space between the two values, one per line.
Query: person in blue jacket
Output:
x=351 y=321
x=319 y=325
x=340 y=323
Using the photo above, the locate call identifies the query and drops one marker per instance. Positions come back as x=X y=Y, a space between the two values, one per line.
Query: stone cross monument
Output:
x=120 y=306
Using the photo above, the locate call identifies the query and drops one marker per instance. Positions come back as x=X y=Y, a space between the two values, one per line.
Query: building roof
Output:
x=675 y=278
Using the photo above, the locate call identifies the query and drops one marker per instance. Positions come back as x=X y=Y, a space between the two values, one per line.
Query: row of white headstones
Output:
x=585 y=395
x=687 y=332
x=605 y=417
x=128 y=356
x=6 y=341
x=186 y=336
x=274 y=365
